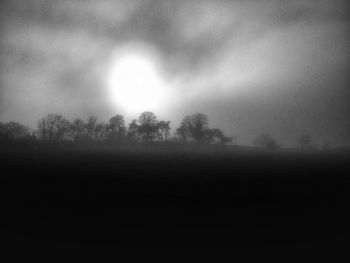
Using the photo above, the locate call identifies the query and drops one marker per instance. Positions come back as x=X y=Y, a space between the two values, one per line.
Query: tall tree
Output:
x=182 y=133
x=148 y=126
x=164 y=128
x=90 y=126
x=100 y=131
x=77 y=128
x=116 y=127
x=133 y=131
x=52 y=127
x=61 y=127
x=46 y=126
x=195 y=125
x=13 y=131
x=214 y=136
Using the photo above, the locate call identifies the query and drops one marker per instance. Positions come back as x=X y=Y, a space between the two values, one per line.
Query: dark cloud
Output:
x=265 y=65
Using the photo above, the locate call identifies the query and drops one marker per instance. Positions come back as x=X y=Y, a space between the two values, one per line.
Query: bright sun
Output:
x=135 y=83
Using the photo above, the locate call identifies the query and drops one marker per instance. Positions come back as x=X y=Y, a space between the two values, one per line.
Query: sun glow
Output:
x=136 y=84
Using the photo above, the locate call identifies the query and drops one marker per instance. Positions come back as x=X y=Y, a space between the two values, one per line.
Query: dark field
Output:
x=161 y=196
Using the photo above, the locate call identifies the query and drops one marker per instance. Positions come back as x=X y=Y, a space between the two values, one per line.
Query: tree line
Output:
x=146 y=129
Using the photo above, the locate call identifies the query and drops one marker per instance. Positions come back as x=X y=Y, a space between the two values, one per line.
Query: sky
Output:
x=256 y=66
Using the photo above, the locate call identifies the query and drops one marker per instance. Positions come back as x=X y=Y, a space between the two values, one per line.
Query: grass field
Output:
x=59 y=195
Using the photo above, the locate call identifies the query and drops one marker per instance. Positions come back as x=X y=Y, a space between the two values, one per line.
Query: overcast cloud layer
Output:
x=252 y=66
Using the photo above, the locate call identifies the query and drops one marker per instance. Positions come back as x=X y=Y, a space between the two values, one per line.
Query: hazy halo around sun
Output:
x=135 y=82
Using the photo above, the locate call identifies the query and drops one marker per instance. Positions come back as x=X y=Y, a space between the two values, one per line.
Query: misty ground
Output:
x=67 y=195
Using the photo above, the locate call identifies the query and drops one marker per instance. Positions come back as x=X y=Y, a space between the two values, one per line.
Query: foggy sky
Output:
x=279 y=67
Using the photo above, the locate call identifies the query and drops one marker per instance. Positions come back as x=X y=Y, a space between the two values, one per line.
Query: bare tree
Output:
x=46 y=127
x=90 y=126
x=77 y=128
x=133 y=131
x=61 y=127
x=42 y=129
x=230 y=140
x=148 y=126
x=195 y=125
x=164 y=128
x=100 y=131
x=214 y=136
x=13 y=131
x=116 y=127
x=53 y=127
x=182 y=132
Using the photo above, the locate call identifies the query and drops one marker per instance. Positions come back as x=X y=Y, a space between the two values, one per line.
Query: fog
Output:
x=279 y=67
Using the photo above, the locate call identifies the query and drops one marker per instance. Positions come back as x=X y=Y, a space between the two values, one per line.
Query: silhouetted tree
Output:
x=265 y=140
x=230 y=140
x=42 y=129
x=53 y=127
x=133 y=131
x=183 y=131
x=90 y=126
x=61 y=127
x=195 y=125
x=14 y=131
x=45 y=128
x=77 y=128
x=101 y=131
x=116 y=127
x=164 y=128
x=214 y=136
x=148 y=126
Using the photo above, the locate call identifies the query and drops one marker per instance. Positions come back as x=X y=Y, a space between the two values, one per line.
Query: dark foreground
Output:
x=70 y=195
